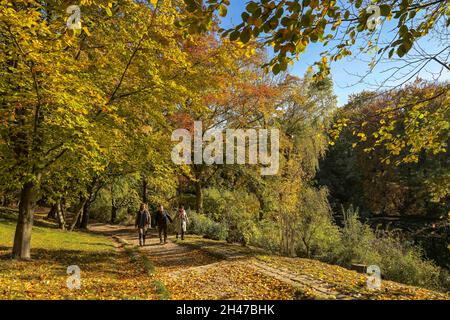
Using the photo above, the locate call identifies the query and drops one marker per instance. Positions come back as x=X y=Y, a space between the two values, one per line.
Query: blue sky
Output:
x=343 y=72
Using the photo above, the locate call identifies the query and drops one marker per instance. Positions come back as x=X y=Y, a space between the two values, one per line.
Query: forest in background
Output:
x=87 y=118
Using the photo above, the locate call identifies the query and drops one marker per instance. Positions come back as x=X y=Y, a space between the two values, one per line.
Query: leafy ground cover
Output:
x=106 y=272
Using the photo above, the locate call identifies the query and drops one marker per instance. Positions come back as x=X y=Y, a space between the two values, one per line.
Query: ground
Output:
x=112 y=267
x=106 y=271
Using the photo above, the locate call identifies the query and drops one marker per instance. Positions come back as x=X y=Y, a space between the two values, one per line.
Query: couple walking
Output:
x=161 y=219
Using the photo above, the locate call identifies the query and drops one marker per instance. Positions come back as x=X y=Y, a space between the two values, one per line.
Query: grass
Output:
x=54 y=239
x=136 y=256
x=106 y=273
x=161 y=290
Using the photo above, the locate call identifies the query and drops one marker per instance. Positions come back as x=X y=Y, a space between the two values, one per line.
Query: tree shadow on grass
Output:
x=11 y=216
x=61 y=259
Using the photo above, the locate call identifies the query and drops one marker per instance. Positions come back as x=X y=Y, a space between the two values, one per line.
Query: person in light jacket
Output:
x=182 y=221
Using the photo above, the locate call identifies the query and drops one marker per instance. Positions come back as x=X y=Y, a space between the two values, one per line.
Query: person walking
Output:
x=142 y=221
x=182 y=222
x=162 y=218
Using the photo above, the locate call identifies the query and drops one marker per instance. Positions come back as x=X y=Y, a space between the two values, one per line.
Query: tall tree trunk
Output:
x=87 y=205
x=144 y=191
x=199 y=196
x=113 y=214
x=22 y=237
x=85 y=218
x=77 y=217
x=60 y=215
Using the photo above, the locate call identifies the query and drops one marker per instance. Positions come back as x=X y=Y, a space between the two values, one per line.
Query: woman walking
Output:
x=142 y=221
x=182 y=222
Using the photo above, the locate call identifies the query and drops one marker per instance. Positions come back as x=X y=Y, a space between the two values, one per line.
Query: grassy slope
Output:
x=338 y=278
x=105 y=272
x=109 y=274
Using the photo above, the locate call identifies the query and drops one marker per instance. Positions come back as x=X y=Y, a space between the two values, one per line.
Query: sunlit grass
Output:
x=105 y=272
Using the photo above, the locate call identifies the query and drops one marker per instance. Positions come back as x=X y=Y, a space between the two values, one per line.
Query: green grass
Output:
x=47 y=238
x=161 y=290
x=105 y=272
x=148 y=265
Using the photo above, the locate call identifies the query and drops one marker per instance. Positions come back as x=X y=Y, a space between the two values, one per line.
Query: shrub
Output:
x=202 y=225
x=267 y=236
x=357 y=242
x=403 y=262
x=398 y=259
x=236 y=210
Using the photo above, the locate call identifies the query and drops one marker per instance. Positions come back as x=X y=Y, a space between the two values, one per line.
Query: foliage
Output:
x=390 y=158
x=202 y=225
x=398 y=259
x=292 y=26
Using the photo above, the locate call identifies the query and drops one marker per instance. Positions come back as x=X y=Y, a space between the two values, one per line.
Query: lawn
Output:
x=106 y=273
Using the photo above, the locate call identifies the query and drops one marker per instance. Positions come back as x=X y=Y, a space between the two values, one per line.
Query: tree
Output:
x=61 y=88
x=396 y=155
x=296 y=202
x=291 y=26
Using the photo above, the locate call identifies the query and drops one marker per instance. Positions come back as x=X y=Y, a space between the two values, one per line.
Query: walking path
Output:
x=205 y=269
x=208 y=270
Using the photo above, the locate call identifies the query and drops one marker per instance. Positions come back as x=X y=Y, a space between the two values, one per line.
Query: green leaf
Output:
x=246 y=34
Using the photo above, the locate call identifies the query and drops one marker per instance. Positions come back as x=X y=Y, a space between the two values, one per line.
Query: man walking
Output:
x=162 y=219
x=142 y=221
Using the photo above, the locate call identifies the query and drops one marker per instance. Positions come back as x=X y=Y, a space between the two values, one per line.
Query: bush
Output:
x=398 y=259
x=357 y=242
x=267 y=236
x=403 y=262
x=236 y=210
x=202 y=225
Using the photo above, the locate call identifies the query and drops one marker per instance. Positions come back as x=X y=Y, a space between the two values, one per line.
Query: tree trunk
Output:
x=79 y=211
x=85 y=218
x=52 y=212
x=113 y=214
x=199 y=197
x=22 y=237
x=144 y=191
x=60 y=216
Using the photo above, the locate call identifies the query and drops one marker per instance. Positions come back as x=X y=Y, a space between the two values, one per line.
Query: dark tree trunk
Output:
x=22 y=237
x=80 y=218
x=199 y=197
x=79 y=211
x=87 y=205
x=52 y=213
x=113 y=214
x=144 y=191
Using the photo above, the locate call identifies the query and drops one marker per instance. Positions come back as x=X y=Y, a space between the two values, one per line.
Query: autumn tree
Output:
x=60 y=87
x=291 y=26
x=395 y=154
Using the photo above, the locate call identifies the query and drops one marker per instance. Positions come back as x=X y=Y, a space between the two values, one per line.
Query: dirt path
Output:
x=212 y=270
x=205 y=269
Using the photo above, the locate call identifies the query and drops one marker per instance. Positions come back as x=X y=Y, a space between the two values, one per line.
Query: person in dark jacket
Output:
x=142 y=221
x=162 y=219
